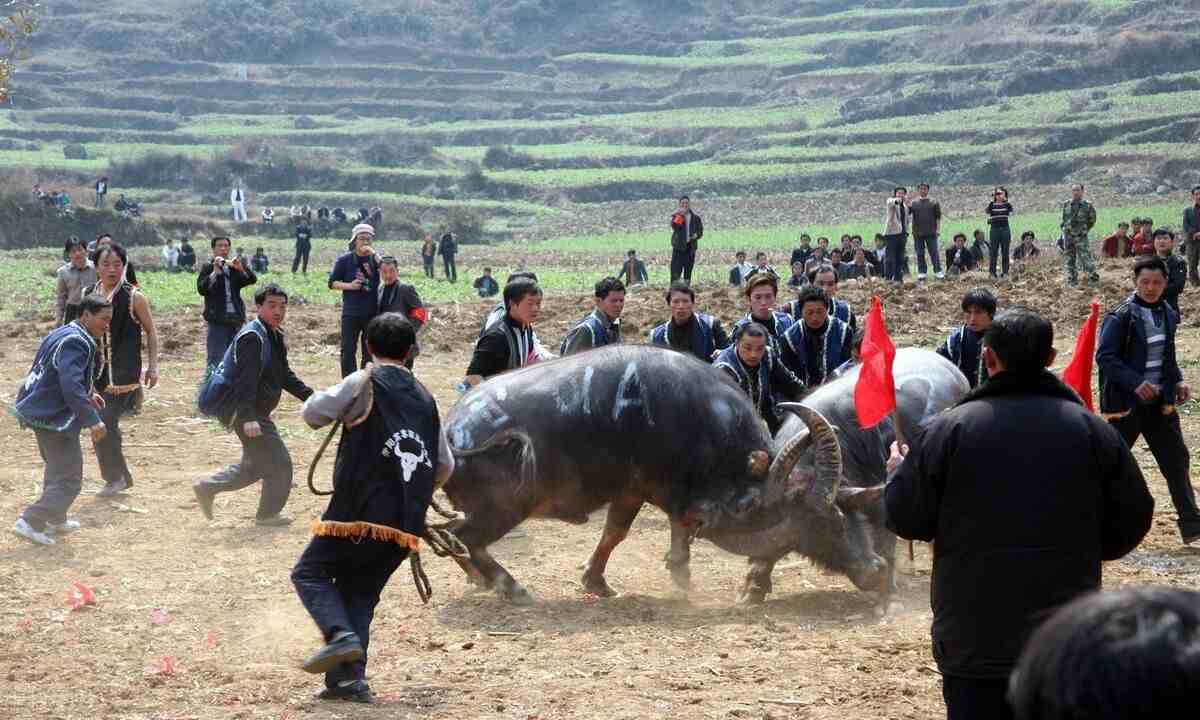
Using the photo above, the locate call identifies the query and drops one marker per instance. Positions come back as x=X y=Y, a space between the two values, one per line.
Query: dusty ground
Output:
x=198 y=620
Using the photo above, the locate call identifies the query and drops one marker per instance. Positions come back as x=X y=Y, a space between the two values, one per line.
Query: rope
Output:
x=312 y=468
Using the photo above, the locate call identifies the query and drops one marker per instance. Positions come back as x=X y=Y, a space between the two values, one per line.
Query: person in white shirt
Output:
x=237 y=198
x=170 y=256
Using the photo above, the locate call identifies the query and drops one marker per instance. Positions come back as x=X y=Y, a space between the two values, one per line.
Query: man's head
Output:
x=523 y=299
x=1028 y=237
x=752 y=345
x=272 y=303
x=1122 y=229
x=1000 y=194
x=95 y=314
x=110 y=262
x=762 y=289
x=363 y=235
x=900 y=193
x=805 y=240
x=76 y=251
x=860 y=256
x=1133 y=652
x=519 y=275
x=103 y=239
x=169 y=243
x=978 y=235
x=814 y=307
x=879 y=241
x=390 y=336
x=631 y=254
x=856 y=241
x=682 y=301
x=220 y=246
x=1150 y=278
x=685 y=204
x=1018 y=341
x=610 y=297
x=487 y=272
x=259 y=251
x=835 y=256
x=1164 y=242
x=979 y=307
x=823 y=242
x=826 y=278
x=923 y=190
x=797 y=269
x=845 y=240
x=389 y=270
x=1196 y=194
x=760 y=259
x=960 y=240
x=1077 y=192
x=740 y=256
x=1148 y=225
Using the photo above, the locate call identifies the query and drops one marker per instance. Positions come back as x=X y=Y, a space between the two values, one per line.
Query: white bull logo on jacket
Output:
x=408 y=460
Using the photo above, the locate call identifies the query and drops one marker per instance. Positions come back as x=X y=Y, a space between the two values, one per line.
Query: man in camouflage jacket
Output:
x=1078 y=217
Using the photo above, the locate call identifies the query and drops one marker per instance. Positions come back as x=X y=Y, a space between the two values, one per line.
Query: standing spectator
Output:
x=187 y=256
x=401 y=298
x=259 y=262
x=448 y=248
x=73 y=280
x=998 y=211
x=101 y=190
x=689 y=331
x=926 y=224
x=1016 y=534
x=356 y=274
x=1119 y=244
x=268 y=216
x=740 y=272
x=303 y=248
x=170 y=256
x=633 y=271
x=1141 y=383
x=802 y=253
x=958 y=258
x=1191 y=236
x=1078 y=218
x=237 y=199
x=964 y=346
x=602 y=326
x=220 y=283
x=58 y=400
x=686 y=231
x=485 y=284
x=428 y=253
x=895 y=234
x=1164 y=247
x=1143 y=239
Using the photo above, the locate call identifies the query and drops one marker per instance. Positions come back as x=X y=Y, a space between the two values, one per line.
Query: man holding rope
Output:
x=392 y=454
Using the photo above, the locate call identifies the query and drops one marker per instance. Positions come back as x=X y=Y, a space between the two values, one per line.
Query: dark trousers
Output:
x=110 y=452
x=354 y=336
x=302 y=251
x=927 y=243
x=61 y=480
x=451 y=269
x=976 y=698
x=1193 y=257
x=682 y=262
x=427 y=261
x=70 y=313
x=1000 y=239
x=217 y=342
x=893 y=259
x=1163 y=435
x=339 y=582
x=264 y=458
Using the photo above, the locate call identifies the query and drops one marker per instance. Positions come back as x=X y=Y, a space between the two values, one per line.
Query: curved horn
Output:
x=828 y=455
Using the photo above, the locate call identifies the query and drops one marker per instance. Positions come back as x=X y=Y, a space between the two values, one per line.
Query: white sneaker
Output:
x=940 y=275
x=920 y=277
x=66 y=527
x=26 y=531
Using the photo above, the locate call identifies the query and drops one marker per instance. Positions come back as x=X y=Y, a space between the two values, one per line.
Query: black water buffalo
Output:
x=617 y=426
x=826 y=503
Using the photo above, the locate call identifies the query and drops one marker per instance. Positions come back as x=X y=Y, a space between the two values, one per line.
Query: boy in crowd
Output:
x=958 y=258
x=1141 y=383
x=303 y=248
x=802 y=253
x=761 y=265
x=818 y=258
x=762 y=291
x=756 y=369
x=220 y=283
x=400 y=298
x=509 y=343
x=964 y=346
x=1119 y=244
x=356 y=274
x=818 y=344
x=797 y=279
x=877 y=256
x=687 y=330
x=73 y=279
x=633 y=271
x=859 y=269
x=380 y=495
x=259 y=262
x=1164 y=247
x=58 y=401
x=1027 y=250
x=741 y=270
x=258 y=363
x=485 y=284
x=980 y=247
x=825 y=278
x=603 y=325
x=835 y=260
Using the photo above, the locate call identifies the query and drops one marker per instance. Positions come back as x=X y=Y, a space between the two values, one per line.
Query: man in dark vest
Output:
x=220 y=283
x=603 y=325
x=752 y=364
x=509 y=343
x=303 y=247
x=964 y=346
x=401 y=298
x=391 y=456
x=686 y=231
x=687 y=330
x=819 y=343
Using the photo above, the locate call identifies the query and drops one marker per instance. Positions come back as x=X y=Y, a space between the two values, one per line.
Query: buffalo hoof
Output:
x=598 y=586
x=681 y=575
x=514 y=593
x=753 y=596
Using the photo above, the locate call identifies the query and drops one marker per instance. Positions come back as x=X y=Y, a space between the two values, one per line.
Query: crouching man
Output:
x=391 y=456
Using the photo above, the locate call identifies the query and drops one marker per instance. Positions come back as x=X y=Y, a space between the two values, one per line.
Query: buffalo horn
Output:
x=828 y=455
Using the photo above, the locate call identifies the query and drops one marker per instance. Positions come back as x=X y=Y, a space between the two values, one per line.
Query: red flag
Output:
x=1078 y=374
x=875 y=391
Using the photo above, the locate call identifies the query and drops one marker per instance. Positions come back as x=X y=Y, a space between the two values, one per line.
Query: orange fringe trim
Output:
x=356 y=531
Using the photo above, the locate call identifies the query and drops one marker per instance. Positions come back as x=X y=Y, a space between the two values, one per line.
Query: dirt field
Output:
x=199 y=620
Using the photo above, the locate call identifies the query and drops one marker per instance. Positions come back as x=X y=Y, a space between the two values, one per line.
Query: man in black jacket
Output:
x=1024 y=532
x=686 y=231
x=303 y=248
x=448 y=248
x=1191 y=236
x=220 y=283
x=258 y=390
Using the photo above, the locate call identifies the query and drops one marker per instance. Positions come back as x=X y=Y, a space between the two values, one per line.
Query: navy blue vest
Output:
x=834 y=350
x=703 y=344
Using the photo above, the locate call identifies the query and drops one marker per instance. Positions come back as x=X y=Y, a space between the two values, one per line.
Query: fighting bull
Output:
x=618 y=426
x=828 y=504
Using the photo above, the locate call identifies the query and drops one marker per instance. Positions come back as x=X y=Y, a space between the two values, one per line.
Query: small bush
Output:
x=505 y=158
x=75 y=151
x=304 y=122
x=475 y=181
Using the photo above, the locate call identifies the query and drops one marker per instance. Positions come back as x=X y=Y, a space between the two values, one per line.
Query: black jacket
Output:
x=680 y=242
x=213 y=291
x=448 y=247
x=258 y=390
x=1023 y=492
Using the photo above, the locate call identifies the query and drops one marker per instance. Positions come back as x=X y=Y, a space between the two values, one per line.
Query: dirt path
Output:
x=199 y=620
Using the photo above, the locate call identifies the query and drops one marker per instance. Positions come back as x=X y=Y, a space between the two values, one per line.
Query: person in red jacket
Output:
x=1143 y=241
x=1119 y=244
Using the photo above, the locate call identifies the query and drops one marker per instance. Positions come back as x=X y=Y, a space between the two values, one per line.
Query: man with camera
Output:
x=220 y=283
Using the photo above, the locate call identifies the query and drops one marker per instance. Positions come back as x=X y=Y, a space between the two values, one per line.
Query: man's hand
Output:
x=899 y=452
x=1146 y=391
x=237 y=264
x=252 y=429
x=97 y=401
x=1183 y=392
x=98 y=432
x=150 y=377
x=356 y=285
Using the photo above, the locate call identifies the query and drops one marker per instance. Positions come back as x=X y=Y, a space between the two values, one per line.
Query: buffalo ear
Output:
x=855 y=499
x=758 y=463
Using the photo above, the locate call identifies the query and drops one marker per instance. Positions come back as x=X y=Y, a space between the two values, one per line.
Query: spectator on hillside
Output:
x=1119 y=244
x=835 y=260
x=259 y=262
x=1028 y=249
x=187 y=256
x=686 y=231
x=1164 y=247
x=323 y=214
x=895 y=232
x=1143 y=241
x=998 y=211
x=797 y=279
x=980 y=247
x=38 y=192
x=486 y=285
x=237 y=200
x=448 y=248
x=1191 y=236
x=170 y=257
x=741 y=269
x=268 y=216
x=74 y=278
x=761 y=265
x=303 y=248
x=63 y=200
x=363 y=215
x=339 y=216
x=634 y=270
x=859 y=269
x=428 y=254
x=802 y=253
x=959 y=259
x=926 y=224
x=101 y=189
x=818 y=258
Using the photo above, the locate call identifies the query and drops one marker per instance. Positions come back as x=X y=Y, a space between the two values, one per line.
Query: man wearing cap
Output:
x=356 y=274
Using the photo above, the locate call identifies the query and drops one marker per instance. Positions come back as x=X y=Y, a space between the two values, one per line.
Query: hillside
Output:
x=520 y=109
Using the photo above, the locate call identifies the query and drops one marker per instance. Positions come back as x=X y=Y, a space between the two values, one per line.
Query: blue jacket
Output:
x=783 y=322
x=1121 y=355
x=837 y=343
x=57 y=393
x=772 y=378
x=704 y=340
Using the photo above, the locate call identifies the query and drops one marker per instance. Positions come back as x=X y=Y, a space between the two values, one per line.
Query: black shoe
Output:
x=345 y=648
x=357 y=691
x=1190 y=533
x=205 y=499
